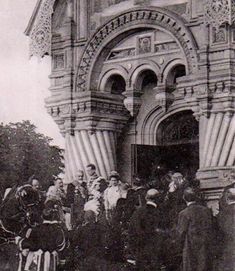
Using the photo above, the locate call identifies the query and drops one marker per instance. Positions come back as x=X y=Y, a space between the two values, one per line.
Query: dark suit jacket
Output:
x=89 y=240
x=143 y=227
x=226 y=222
x=71 y=190
x=194 y=231
x=75 y=199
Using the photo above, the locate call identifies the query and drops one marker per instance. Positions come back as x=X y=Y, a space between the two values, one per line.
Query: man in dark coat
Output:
x=144 y=233
x=88 y=243
x=194 y=231
x=226 y=222
x=76 y=197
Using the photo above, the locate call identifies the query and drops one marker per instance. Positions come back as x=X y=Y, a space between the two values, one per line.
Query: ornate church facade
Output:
x=142 y=86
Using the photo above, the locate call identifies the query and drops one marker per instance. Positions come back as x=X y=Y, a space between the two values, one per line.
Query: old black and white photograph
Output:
x=117 y=135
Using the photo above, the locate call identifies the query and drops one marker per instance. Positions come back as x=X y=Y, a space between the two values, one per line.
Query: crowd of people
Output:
x=99 y=225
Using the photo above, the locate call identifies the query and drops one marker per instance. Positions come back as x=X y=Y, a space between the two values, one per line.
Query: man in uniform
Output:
x=94 y=179
x=76 y=197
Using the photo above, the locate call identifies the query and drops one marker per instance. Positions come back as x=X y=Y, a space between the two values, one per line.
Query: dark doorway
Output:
x=155 y=161
x=177 y=149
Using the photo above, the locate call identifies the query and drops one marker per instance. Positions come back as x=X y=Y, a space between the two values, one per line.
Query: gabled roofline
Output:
x=33 y=18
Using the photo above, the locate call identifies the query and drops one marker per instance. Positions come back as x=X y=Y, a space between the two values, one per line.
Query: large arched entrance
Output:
x=176 y=149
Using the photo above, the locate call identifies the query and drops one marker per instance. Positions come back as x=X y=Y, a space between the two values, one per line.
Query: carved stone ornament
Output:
x=121 y=23
x=164 y=100
x=144 y=45
x=133 y=105
x=218 y=12
x=40 y=36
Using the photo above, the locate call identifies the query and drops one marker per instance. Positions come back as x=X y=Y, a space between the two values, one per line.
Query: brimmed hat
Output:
x=177 y=174
x=51 y=214
x=115 y=174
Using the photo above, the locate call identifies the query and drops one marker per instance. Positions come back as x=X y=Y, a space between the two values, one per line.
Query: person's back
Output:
x=194 y=231
x=226 y=222
x=47 y=237
x=45 y=241
x=88 y=244
x=199 y=224
x=145 y=240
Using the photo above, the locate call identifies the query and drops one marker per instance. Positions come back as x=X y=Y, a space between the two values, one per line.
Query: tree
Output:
x=25 y=153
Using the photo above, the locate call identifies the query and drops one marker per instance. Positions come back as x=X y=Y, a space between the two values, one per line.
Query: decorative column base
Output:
x=212 y=182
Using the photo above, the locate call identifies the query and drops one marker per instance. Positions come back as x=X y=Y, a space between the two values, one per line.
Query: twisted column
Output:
x=85 y=147
x=218 y=146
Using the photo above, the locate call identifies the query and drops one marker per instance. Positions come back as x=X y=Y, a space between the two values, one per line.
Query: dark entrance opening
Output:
x=177 y=149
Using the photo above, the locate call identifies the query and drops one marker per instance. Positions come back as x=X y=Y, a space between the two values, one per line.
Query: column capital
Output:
x=133 y=100
x=88 y=110
x=163 y=98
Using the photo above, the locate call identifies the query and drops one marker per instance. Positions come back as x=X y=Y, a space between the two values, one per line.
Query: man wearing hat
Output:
x=145 y=235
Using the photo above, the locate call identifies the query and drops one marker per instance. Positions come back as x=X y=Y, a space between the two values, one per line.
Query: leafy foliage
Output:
x=25 y=153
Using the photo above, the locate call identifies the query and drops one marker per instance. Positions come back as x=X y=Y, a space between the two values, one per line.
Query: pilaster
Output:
x=217 y=135
x=90 y=123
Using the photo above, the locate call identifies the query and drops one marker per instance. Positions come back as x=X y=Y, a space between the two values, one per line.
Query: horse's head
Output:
x=27 y=196
x=20 y=209
x=29 y=200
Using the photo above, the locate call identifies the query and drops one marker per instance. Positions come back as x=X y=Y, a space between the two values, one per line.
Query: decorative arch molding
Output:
x=106 y=74
x=153 y=120
x=170 y=65
x=146 y=65
x=132 y=20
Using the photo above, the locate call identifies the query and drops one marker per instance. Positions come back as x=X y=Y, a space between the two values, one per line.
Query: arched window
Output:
x=115 y=84
x=147 y=80
x=175 y=72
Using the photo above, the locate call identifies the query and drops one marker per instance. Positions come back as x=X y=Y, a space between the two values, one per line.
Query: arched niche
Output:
x=177 y=71
x=115 y=84
x=145 y=76
x=148 y=80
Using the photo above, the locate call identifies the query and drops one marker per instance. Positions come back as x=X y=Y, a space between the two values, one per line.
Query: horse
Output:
x=20 y=209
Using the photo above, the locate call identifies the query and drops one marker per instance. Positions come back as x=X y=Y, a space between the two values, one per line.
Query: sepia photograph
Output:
x=117 y=135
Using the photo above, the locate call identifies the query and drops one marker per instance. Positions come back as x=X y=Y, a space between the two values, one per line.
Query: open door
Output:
x=177 y=149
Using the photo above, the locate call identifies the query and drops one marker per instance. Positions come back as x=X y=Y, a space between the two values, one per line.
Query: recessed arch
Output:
x=137 y=76
x=107 y=74
x=115 y=84
x=170 y=66
x=154 y=118
x=133 y=20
